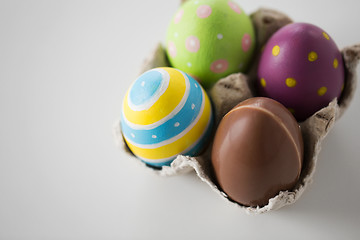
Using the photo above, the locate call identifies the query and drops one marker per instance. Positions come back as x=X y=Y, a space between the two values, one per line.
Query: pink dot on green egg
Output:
x=234 y=7
x=172 y=49
x=178 y=16
x=246 y=42
x=203 y=11
x=219 y=66
x=192 y=44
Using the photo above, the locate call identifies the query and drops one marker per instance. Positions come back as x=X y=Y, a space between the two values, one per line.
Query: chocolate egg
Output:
x=257 y=151
x=165 y=113
x=210 y=39
x=302 y=68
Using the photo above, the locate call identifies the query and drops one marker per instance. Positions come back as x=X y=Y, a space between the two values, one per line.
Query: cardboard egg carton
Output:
x=229 y=91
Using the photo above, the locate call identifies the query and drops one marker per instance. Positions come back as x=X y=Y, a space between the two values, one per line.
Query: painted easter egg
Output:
x=165 y=113
x=302 y=68
x=210 y=39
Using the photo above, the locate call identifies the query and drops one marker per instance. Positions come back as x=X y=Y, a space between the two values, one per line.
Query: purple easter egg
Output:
x=302 y=68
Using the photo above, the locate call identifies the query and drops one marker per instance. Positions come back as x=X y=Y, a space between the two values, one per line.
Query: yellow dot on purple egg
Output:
x=322 y=91
x=312 y=56
x=276 y=50
x=326 y=36
x=263 y=82
x=335 y=63
x=290 y=82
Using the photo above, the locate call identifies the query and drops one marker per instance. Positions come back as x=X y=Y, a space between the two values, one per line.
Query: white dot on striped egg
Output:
x=176 y=34
x=220 y=36
x=154 y=136
x=196 y=2
x=176 y=124
x=143 y=83
x=192 y=106
x=189 y=64
x=133 y=135
x=196 y=85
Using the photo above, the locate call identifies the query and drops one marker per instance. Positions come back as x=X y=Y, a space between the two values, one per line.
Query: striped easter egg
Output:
x=165 y=113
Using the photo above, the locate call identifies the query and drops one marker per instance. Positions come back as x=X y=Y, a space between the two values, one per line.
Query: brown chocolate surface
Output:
x=257 y=151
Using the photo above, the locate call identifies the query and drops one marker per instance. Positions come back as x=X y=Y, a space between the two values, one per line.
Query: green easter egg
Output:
x=210 y=39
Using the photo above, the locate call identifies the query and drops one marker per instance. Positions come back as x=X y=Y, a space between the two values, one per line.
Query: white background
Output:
x=64 y=68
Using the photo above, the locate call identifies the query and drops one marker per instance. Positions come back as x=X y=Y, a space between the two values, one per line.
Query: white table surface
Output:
x=64 y=68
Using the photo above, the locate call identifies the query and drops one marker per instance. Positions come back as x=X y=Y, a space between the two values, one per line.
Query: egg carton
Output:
x=231 y=90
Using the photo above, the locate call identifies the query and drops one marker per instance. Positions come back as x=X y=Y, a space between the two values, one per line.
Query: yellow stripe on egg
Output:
x=187 y=140
x=165 y=105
